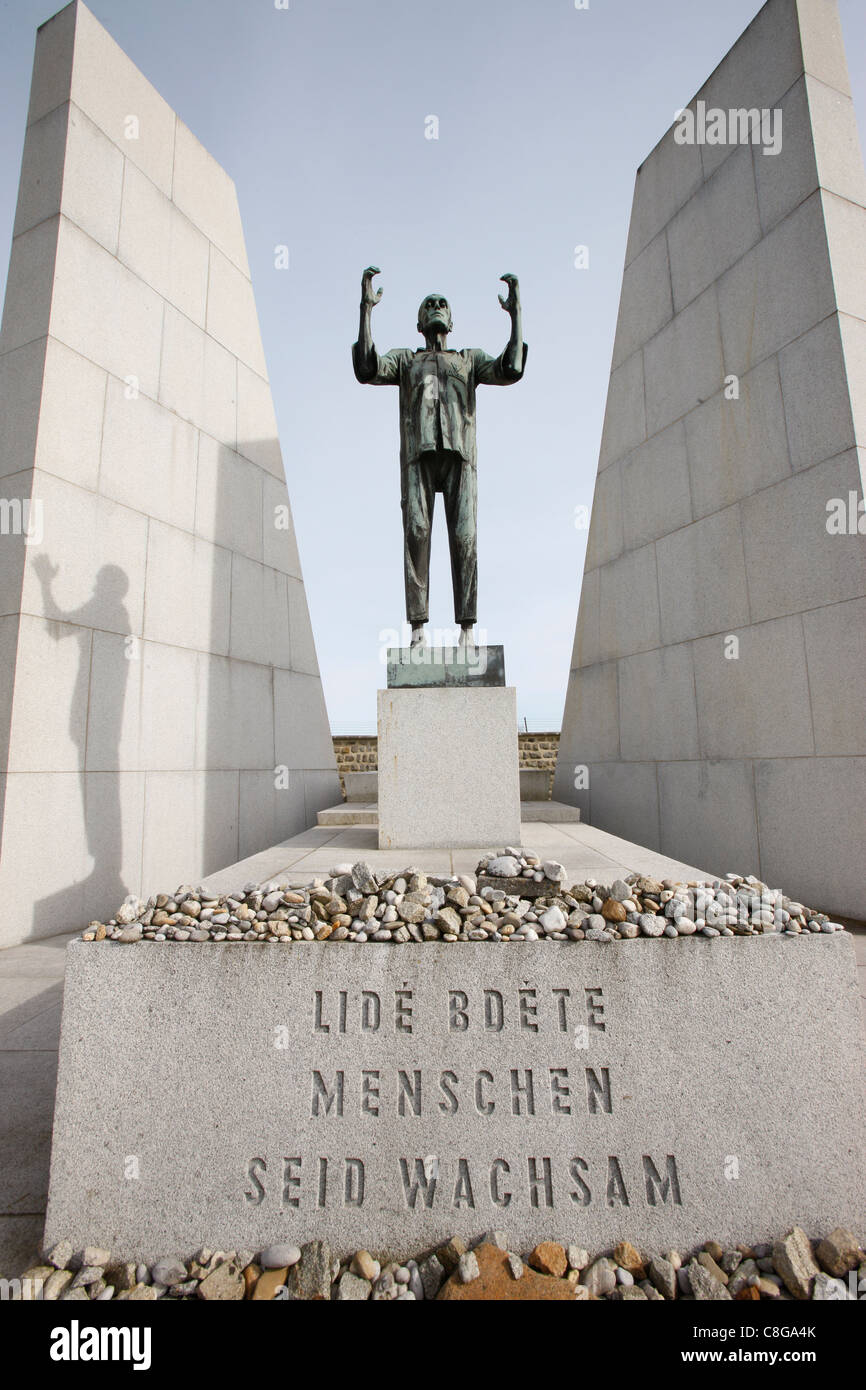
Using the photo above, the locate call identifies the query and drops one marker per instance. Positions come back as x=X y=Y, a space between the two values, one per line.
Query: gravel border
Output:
x=513 y=896
x=833 y=1269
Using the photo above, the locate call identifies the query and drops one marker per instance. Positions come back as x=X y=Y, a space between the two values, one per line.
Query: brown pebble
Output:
x=549 y=1258
x=449 y=1254
x=627 y=1257
x=268 y=1284
x=612 y=911
x=495 y=1282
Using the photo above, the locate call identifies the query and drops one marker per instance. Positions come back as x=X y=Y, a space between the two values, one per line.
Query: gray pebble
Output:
x=279 y=1256
x=168 y=1272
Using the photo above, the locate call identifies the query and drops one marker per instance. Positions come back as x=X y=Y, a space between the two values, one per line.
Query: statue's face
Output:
x=434 y=314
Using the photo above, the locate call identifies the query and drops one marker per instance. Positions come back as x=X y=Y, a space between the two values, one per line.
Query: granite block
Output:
x=535 y=1088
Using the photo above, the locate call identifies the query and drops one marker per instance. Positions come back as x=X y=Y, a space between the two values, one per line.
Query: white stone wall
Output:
x=710 y=514
x=157 y=659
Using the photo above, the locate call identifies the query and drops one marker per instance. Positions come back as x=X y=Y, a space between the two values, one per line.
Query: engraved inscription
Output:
x=498 y=1060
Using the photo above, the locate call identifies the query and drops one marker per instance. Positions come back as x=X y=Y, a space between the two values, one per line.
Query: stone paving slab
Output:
x=29 y=1013
x=31 y=987
x=581 y=848
x=350 y=812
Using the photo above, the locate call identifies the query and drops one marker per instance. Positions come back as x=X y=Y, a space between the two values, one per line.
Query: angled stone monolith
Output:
x=161 y=711
x=717 y=702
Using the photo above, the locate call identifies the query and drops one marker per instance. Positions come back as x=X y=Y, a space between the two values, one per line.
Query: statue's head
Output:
x=434 y=314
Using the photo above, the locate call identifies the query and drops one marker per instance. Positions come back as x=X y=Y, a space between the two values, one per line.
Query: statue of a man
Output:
x=437 y=439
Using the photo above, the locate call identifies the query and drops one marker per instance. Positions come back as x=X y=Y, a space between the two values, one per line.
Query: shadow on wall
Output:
x=198 y=729
x=103 y=890
x=260 y=718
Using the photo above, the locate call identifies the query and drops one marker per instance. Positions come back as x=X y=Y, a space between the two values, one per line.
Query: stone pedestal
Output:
x=439 y=666
x=392 y=1096
x=448 y=765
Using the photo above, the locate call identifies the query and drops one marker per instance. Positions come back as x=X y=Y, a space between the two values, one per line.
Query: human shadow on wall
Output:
x=103 y=890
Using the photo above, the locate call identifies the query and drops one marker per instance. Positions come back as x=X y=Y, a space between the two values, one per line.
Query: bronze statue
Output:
x=437 y=439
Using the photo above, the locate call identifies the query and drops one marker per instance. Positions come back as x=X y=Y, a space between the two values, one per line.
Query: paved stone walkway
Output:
x=583 y=850
x=31 y=987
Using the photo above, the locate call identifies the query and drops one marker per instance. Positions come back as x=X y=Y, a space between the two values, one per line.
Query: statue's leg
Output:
x=417 y=520
x=460 y=492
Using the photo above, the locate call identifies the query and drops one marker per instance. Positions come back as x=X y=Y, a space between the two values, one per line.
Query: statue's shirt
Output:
x=437 y=393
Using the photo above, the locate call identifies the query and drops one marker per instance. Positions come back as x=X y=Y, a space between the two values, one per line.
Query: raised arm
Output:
x=363 y=353
x=46 y=573
x=513 y=355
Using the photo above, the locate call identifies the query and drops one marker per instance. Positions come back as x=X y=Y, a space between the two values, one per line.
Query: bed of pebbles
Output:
x=791 y=1268
x=512 y=896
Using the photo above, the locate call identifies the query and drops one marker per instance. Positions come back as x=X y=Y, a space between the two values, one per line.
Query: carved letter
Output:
x=321 y=1093
x=670 y=1184
x=255 y=1198
x=424 y=1181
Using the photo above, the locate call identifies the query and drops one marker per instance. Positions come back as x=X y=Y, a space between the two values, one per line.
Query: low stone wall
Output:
x=360 y=753
x=538 y=751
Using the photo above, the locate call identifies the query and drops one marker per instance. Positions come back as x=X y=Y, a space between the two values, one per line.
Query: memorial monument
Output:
x=437 y=439
x=447 y=722
x=263 y=1066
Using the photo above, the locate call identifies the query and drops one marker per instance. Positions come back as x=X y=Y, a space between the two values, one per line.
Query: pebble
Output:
x=224 y=1284
x=704 y=1286
x=552 y=920
x=168 y=1272
x=762 y=1271
x=279 y=1257
x=95 y=1255
x=416 y=1285
x=55 y=1284
x=352 y=1288
x=432 y=1274
x=503 y=866
x=354 y=904
x=827 y=1289
x=60 y=1254
x=600 y=1277
x=549 y=1258
x=793 y=1260
x=666 y=1278
x=839 y=1252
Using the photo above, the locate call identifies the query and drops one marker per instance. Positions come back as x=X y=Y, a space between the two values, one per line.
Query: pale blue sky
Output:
x=318 y=113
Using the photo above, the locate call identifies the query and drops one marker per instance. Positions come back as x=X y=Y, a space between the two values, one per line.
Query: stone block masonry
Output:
x=359 y=752
x=716 y=706
x=161 y=712
x=394 y=1097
